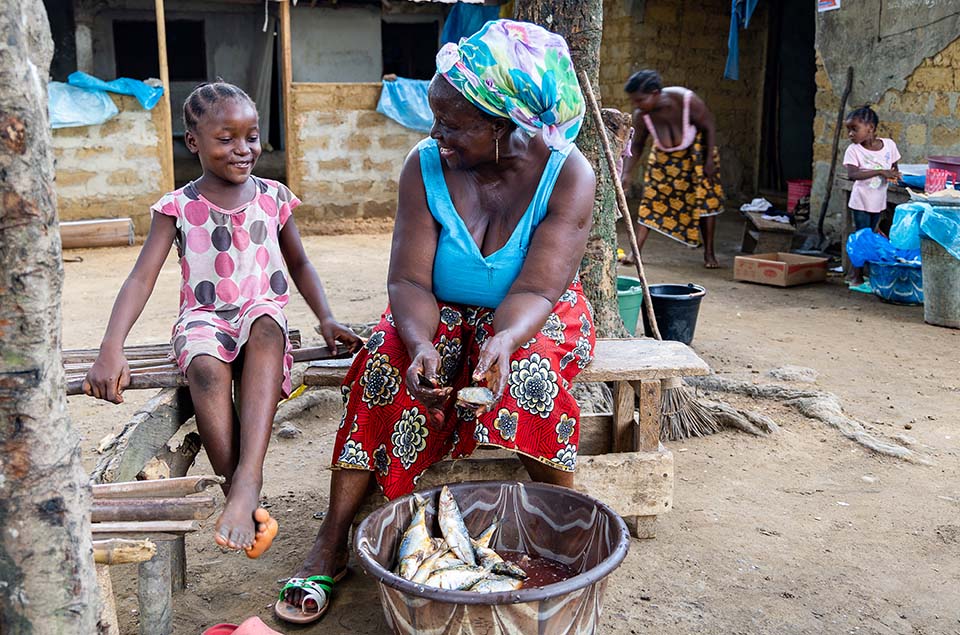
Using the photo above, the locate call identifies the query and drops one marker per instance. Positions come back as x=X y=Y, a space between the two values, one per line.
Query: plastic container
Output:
x=629 y=301
x=948 y=163
x=897 y=283
x=797 y=189
x=676 y=307
x=941 y=285
x=539 y=519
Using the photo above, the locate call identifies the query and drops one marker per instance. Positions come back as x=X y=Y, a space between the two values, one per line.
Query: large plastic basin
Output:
x=539 y=519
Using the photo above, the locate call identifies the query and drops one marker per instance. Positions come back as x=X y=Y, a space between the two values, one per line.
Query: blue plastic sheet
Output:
x=465 y=20
x=915 y=219
x=867 y=245
x=405 y=101
x=69 y=106
x=147 y=95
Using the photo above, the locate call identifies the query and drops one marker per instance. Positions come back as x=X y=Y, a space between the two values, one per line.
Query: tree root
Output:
x=815 y=404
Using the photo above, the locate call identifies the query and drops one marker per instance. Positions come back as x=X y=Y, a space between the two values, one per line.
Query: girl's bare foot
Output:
x=236 y=528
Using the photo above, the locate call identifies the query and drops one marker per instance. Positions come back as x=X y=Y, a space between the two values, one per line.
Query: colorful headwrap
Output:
x=519 y=71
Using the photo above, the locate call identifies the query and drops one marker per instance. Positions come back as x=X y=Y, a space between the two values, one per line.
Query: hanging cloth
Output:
x=465 y=20
x=740 y=13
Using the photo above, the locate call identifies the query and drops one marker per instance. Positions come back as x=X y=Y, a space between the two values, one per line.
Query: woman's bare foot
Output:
x=325 y=558
x=236 y=528
x=710 y=262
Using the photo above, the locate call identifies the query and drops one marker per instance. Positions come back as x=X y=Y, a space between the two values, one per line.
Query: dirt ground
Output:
x=800 y=532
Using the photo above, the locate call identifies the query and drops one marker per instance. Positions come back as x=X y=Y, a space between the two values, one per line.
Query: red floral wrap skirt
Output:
x=385 y=430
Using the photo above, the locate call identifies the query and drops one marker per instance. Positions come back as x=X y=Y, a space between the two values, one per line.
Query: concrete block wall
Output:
x=113 y=169
x=346 y=157
x=921 y=119
x=686 y=41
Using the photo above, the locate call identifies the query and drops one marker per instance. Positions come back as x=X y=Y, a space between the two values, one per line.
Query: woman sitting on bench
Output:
x=492 y=222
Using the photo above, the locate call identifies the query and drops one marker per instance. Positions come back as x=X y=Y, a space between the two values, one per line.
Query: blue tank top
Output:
x=461 y=274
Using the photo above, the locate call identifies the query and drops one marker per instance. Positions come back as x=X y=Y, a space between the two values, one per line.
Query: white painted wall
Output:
x=336 y=44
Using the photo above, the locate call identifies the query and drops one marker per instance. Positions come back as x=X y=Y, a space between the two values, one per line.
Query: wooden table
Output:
x=620 y=458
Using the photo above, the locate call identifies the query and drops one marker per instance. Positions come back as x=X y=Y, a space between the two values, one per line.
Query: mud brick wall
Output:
x=686 y=41
x=922 y=119
x=345 y=156
x=114 y=169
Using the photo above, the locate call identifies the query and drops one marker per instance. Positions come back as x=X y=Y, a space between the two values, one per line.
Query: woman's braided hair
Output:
x=645 y=81
x=205 y=97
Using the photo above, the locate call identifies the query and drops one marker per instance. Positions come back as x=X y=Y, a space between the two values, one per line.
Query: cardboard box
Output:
x=780 y=269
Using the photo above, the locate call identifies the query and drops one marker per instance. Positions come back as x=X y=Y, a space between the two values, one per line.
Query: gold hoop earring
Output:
x=498 y=150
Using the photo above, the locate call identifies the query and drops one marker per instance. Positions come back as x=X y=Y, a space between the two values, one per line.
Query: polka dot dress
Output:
x=232 y=271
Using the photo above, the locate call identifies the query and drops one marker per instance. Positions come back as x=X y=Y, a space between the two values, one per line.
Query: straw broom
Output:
x=681 y=414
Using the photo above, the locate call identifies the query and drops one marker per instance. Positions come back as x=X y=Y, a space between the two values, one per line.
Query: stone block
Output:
x=357 y=141
x=386 y=168
x=93 y=152
x=915 y=102
x=947 y=137
x=400 y=140
x=370 y=119
x=358 y=188
x=916 y=134
x=932 y=79
x=379 y=209
x=71 y=178
x=125 y=176
x=142 y=152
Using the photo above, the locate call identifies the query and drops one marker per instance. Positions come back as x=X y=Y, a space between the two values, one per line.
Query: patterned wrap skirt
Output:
x=677 y=194
x=385 y=430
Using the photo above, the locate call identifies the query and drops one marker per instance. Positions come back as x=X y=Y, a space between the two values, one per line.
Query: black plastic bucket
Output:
x=676 y=307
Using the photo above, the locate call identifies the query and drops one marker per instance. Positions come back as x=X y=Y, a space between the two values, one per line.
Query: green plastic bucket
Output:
x=629 y=301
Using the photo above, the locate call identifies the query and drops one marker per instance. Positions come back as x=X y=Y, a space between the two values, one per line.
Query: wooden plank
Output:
x=165 y=488
x=622 y=432
x=120 y=551
x=290 y=131
x=149 y=509
x=154 y=591
x=143 y=380
x=648 y=424
x=108 y=232
x=635 y=359
x=166 y=131
x=614 y=360
x=108 y=622
x=144 y=435
x=146 y=527
x=595 y=435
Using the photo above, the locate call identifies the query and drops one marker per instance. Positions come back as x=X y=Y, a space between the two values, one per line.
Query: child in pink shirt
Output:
x=870 y=161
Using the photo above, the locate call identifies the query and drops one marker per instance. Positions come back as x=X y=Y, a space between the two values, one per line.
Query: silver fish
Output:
x=453 y=529
x=491 y=560
x=432 y=563
x=456 y=578
x=496 y=584
x=487 y=534
x=416 y=544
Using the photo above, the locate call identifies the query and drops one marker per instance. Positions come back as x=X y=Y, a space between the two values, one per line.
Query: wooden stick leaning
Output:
x=621 y=202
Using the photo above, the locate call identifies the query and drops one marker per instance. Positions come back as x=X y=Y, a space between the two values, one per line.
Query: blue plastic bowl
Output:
x=897 y=283
x=916 y=182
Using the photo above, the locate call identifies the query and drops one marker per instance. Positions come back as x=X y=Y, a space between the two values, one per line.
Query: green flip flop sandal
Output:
x=318 y=589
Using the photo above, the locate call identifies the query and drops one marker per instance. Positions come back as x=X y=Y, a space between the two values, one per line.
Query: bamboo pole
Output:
x=138 y=381
x=107 y=232
x=166 y=135
x=122 y=551
x=289 y=128
x=145 y=527
x=149 y=509
x=621 y=202
x=165 y=488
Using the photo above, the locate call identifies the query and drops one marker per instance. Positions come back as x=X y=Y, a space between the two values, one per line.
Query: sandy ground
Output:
x=801 y=532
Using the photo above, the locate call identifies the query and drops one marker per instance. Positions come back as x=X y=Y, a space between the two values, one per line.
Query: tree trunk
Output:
x=580 y=22
x=46 y=556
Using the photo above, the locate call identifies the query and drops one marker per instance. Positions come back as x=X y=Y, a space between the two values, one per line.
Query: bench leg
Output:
x=154 y=589
x=623 y=430
x=108 y=603
x=178 y=564
x=648 y=425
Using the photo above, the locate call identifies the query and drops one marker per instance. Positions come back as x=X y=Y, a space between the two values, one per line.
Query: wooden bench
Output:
x=621 y=460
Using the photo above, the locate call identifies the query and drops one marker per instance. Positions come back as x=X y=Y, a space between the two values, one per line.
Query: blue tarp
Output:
x=405 y=101
x=867 y=245
x=740 y=13
x=69 y=106
x=465 y=20
x=937 y=222
x=147 y=95
x=83 y=100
